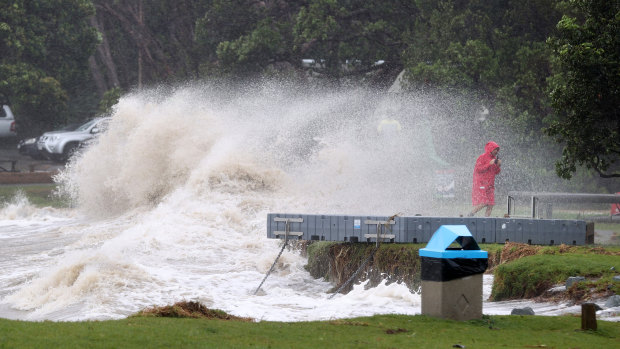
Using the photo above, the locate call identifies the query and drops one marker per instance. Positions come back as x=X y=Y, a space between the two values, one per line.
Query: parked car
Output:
x=7 y=122
x=28 y=146
x=59 y=146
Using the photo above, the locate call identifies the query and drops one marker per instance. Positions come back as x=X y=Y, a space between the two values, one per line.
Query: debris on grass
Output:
x=348 y=322
x=189 y=309
x=395 y=331
x=513 y=251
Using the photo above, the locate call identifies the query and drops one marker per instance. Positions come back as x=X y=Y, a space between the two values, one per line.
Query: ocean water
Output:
x=170 y=204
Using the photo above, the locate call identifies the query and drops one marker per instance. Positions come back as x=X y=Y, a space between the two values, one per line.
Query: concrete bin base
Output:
x=458 y=299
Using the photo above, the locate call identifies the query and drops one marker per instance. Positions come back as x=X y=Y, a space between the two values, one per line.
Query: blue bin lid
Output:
x=437 y=247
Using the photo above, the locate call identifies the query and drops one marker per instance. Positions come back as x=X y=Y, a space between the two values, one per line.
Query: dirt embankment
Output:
x=26 y=177
x=337 y=262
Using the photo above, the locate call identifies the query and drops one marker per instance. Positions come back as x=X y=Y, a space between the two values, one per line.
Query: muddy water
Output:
x=171 y=201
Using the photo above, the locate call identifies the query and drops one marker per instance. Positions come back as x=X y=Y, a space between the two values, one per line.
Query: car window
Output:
x=86 y=126
x=2 y=112
x=69 y=127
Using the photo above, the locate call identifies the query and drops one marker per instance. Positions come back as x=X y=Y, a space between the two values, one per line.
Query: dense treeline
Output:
x=531 y=65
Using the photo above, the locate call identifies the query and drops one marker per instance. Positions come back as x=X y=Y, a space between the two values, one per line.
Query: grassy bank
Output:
x=384 y=331
x=41 y=195
x=520 y=270
x=539 y=268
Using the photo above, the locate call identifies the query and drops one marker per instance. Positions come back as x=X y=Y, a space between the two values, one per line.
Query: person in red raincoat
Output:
x=487 y=167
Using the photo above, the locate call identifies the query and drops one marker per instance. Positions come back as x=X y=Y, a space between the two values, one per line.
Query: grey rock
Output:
x=613 y=301
x=557 y=289
x=574 y=279
x=522 y=311
x=616 y=278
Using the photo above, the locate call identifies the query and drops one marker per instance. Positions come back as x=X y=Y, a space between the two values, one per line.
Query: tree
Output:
x=348 y=38
x=45 y=47
x=585 y=90
x=246 y=37
x=344 y=38
x=145 y=42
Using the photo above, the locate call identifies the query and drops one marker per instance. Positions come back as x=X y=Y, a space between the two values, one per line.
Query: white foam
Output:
x=172 y=201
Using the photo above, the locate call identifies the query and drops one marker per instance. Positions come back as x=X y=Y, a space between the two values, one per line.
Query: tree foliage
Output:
x=240 y=37
x=491 y=56
x=349 y=37
x=144 y=42
x=585 y=88
x=45 y=47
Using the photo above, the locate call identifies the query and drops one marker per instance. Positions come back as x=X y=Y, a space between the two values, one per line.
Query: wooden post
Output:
x=589 y=232
x=588 y=316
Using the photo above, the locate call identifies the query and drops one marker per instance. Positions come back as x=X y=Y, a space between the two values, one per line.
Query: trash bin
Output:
x=452 y=275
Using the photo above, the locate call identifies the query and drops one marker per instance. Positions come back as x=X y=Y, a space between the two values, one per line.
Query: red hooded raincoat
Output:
x=483 y=191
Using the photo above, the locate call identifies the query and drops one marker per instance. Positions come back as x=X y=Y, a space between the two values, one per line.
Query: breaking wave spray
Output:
x=175 y=194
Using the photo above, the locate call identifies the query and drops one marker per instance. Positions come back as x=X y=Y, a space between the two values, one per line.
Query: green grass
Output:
x=531 y=276
x=491 y=248
x=40 y=195
x=383 y=331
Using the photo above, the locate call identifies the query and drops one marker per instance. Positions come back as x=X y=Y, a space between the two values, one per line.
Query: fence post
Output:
x=534 y=207
x=588 y=316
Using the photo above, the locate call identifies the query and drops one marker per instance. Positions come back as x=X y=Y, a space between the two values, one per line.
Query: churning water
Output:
x=170 y=204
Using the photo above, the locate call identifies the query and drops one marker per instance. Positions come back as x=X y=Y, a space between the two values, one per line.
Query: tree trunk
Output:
x=152 y=60
x=103 y=55
x=97 y=76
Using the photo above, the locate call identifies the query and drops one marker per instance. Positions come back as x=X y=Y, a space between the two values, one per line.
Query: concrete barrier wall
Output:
x=419 y=229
